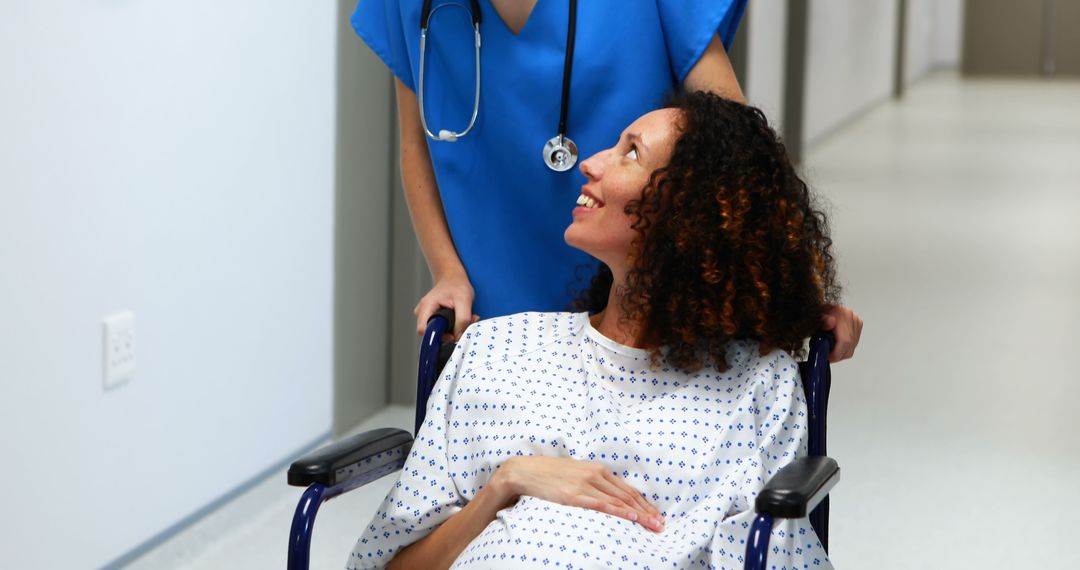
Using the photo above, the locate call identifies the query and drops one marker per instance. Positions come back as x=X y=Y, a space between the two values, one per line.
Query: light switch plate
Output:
x=119 y=345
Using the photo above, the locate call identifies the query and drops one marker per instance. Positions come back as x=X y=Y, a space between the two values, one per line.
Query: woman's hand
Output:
x=577 y=483
x=846 y=326
x=453 y=291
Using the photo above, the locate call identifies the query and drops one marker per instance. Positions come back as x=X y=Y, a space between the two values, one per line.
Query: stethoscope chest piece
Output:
x=560 y=153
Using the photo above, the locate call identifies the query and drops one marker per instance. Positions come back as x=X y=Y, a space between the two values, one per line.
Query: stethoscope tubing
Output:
x=446 y=135
x=568 y=67
x=560 y=153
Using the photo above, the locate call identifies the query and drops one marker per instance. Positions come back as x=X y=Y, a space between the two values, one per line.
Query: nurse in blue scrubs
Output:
x=488 y=211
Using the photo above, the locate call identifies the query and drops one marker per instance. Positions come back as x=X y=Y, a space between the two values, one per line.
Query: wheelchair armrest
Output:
x=794 y=491
x=351 y=457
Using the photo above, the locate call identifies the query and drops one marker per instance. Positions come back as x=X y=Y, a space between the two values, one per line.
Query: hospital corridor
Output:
x=237 y=204
x=963 y=251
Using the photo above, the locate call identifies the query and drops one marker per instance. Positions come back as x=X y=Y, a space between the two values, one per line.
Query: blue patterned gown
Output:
x=699 y=447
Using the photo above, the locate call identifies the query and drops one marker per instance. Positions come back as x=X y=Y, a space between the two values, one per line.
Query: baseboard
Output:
x=175 y=529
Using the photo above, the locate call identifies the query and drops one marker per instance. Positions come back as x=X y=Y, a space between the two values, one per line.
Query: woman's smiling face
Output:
x=615 y=177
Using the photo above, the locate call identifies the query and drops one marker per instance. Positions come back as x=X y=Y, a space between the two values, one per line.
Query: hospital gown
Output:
x=699 y=446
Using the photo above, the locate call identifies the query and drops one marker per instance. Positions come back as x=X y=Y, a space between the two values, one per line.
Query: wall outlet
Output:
x=119 y=346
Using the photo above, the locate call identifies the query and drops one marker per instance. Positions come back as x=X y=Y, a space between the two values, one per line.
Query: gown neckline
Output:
x=610 y=344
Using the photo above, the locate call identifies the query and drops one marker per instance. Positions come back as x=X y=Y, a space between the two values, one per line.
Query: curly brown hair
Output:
x=732 y=244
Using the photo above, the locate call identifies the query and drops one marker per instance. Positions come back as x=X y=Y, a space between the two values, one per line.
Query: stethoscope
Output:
x=560 y=153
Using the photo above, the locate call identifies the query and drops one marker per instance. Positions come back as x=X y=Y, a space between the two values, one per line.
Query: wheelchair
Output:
x=799 y=488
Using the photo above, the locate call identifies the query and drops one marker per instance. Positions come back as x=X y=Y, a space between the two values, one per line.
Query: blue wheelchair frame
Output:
x=799 y=488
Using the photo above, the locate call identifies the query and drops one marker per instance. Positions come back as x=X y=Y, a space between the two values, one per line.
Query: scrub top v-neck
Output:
x=506 y=210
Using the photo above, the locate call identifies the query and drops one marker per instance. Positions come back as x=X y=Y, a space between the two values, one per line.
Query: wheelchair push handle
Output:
x=433 y=356
x=439 y=324
x=446 y=314
x=824 y=336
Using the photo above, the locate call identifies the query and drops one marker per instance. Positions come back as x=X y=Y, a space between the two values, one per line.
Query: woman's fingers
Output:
x=604 y=504
x=633 y=494
x=579 y=483
x=615 y=492
x=649 y=516
x=628 y=498
x=612 y=485
x=614 y=506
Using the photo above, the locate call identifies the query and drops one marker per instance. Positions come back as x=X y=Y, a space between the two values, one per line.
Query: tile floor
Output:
x=956 y=215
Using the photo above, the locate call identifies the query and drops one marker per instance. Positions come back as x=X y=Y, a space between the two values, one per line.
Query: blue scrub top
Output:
x=506 y=210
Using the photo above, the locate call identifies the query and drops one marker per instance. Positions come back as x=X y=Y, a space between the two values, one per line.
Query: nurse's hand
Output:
x=576 y=483
x=846 y=326
x=453 y=291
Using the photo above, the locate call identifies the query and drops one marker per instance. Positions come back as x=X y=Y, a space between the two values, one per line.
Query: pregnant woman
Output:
x=636 y=433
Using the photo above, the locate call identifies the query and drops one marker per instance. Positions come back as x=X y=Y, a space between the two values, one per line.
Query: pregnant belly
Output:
x=535 y=534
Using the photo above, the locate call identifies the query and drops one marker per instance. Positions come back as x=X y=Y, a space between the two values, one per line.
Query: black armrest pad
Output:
x=352 y=457
x=798 y=487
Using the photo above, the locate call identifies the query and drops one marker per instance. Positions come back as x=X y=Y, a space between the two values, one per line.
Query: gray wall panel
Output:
x=1003 y=37
x=362 y=228
x=1066 y=38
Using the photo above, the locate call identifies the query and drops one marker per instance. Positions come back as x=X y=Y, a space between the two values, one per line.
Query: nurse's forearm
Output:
x=421 y=191
x=713 y=72
x=442 y=547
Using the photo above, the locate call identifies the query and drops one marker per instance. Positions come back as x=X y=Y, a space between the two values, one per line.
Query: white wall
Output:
x=176 y=159
x=851 y=55
x=764 y=82
x=919 y=40
x=850 y=61
x=948 y=33
x=934 y=29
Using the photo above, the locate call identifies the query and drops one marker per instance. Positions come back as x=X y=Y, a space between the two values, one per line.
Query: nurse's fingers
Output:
x=847 y=338
x=463 y=315
x=828 y=322
x=846 y=326
x=424 y=310
x=421 y=319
